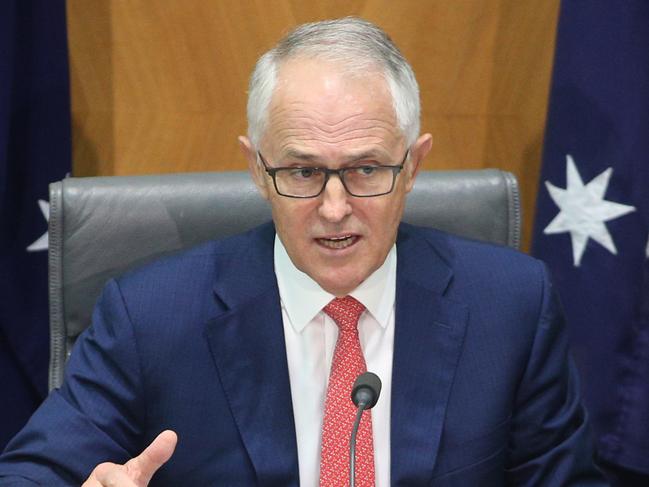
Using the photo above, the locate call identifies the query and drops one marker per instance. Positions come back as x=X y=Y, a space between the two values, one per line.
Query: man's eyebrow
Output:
x=371 y=154
x=299 y=155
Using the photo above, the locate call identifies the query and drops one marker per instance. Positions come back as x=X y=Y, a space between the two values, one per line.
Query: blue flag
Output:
x=592 y=221
x=35 y=147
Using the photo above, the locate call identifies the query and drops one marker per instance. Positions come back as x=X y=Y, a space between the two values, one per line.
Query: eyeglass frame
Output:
x=272 y=171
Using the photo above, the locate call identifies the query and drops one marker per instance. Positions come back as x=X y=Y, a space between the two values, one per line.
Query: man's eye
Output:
x=366 y=170
x=303 y=172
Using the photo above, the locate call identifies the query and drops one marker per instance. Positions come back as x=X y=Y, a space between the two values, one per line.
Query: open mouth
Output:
x=338 y=243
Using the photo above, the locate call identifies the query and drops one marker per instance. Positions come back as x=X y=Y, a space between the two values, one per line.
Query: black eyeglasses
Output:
x=308 y=182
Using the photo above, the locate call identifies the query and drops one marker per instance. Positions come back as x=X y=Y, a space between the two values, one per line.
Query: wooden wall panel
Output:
x=160 y=85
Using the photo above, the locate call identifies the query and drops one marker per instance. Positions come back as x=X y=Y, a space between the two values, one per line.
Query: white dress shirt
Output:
x=310 y=341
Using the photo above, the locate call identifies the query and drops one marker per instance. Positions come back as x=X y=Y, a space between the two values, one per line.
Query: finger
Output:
x=91 y=482
x=153 y=457
x=109 y=475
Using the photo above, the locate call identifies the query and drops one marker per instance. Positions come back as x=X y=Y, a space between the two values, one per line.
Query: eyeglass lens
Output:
x=359 y=181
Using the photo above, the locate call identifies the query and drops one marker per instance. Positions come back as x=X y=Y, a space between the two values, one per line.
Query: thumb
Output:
x=153 y=457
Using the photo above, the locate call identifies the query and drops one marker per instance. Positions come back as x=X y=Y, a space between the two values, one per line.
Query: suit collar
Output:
x=244 y=266
x=424 y=260
x=429 y=332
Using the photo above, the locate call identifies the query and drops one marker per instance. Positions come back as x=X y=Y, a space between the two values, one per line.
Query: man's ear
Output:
x=418 y=151
x=256 y=171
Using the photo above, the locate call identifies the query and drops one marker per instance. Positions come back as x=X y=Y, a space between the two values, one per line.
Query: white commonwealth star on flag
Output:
x=42 y=242
x=583 y=210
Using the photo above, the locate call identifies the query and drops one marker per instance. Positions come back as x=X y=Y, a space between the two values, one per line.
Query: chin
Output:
x=338 y=286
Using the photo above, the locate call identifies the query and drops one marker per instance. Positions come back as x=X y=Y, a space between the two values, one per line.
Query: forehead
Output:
x=318 y=104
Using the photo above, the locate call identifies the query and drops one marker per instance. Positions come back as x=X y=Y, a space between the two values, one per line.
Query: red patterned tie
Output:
x=340 y=412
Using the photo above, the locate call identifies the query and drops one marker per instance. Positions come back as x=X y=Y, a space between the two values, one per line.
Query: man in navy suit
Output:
x=227 y=349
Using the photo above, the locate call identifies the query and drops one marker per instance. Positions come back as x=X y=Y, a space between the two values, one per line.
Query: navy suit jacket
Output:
x=483 y=391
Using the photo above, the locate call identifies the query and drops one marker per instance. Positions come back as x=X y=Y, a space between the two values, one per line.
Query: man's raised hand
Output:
x=137 y=472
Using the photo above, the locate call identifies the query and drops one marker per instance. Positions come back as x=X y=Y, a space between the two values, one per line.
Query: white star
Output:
x=584 y=210
x=43 y=241
x=647 y=249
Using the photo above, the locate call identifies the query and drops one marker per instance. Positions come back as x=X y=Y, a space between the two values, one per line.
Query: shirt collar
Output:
x=303 y=298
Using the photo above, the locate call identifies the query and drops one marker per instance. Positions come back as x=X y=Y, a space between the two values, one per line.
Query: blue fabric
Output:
x=599 y=115
x=34 y=150
x=483 y=390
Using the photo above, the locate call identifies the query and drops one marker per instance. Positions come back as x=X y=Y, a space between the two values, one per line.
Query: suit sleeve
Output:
x=551 y=441
x=95 y=417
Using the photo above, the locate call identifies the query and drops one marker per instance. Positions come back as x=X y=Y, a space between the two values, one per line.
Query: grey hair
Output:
x=355 y=44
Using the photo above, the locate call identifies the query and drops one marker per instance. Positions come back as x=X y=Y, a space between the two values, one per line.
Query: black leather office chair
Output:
x=100 y=227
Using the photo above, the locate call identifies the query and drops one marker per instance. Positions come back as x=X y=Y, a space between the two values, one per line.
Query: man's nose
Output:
x=335 y=201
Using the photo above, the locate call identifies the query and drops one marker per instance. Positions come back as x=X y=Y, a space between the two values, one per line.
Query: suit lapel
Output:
x=247 y=344
x=429 y=332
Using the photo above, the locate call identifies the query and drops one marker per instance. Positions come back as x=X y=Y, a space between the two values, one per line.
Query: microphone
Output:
x=365 y=394
x=366 y=390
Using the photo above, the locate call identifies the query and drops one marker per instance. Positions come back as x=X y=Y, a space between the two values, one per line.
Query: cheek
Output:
x=291 y=222
x=384 y=217
x=384 y=225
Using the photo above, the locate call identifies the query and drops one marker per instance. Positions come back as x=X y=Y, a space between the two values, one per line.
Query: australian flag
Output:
x=35 y=146
x=592 y=222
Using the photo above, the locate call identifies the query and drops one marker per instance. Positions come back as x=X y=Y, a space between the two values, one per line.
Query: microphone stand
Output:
x=352 y=444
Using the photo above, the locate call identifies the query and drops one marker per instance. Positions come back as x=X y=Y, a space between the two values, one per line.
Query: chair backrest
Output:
x=99 y=227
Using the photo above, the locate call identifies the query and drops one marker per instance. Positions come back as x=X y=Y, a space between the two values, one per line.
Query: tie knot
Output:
x=345 y=312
